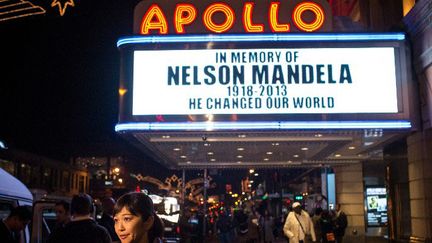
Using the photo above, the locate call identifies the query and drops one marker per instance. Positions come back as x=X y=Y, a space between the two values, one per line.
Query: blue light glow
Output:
x=263 y=37
x=277 y=125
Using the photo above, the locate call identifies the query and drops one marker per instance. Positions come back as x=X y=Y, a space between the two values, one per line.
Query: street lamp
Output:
x=116 y=170
x=2 y=145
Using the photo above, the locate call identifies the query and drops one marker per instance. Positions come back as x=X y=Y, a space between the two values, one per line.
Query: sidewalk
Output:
x=367 y=239
x=214 y=239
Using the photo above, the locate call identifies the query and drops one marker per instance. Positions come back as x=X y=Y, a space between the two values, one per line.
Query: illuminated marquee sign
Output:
x=186 y=17
x=265 y=81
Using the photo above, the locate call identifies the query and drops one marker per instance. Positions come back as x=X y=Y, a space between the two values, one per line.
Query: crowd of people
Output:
x=252 y=225
x=132 y=219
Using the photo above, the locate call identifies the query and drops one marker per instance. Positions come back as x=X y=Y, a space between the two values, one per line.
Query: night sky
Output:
x=59 y=80
x=59 y=76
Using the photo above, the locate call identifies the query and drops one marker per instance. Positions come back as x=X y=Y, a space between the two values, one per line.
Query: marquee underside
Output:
x=263 y=149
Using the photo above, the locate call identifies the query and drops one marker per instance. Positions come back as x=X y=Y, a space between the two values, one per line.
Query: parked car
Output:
x=14 y=193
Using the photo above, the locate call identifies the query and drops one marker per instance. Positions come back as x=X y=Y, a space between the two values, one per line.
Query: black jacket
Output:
x=341 y=222
x=82 y=231
x=108 y=222
x=5 y=235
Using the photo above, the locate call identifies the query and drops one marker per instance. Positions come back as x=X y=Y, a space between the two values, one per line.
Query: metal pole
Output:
x=108 y=168
x=205 y=204
x=204 y=138
x=183 y=188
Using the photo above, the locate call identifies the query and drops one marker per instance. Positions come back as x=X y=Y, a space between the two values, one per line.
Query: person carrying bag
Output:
x=298 y=226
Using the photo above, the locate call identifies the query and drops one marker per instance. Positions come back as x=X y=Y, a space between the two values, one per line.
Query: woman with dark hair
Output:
x=327 y=227
x=135 y=219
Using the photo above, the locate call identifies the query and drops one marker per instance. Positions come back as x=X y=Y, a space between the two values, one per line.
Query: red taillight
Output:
x=178 y=229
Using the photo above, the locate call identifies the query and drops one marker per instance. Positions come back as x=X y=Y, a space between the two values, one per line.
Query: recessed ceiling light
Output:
x=269 y=152
x=289 y=161
x=183 y=157
x=188 y=162
x=206 y=144
x=212 y=160
x=275 y=144
x=239 y=162
x=242 y=135
x=338 y=155
x=240 y=149
x=251 y=171
x=166 y=136
x=210 y=153
x=266 y=159
x=239 y=156
x=295 y=155
x=176 y=149
x=351 y=147
x=256 y=174
x=304 y=148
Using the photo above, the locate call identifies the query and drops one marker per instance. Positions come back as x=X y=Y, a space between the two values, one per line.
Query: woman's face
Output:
x=129 y=228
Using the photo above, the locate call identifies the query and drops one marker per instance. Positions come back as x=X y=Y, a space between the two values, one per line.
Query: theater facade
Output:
x=264 y=84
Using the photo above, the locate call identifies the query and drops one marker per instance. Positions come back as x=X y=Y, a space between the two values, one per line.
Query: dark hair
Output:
x=81 y=204
x=140 y=204
x=107 y=204
x=64 y=204
x=318 y=211
x=22 y=212
x=326 y=214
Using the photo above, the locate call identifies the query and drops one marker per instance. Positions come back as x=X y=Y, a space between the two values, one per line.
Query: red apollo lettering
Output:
x=185 y=14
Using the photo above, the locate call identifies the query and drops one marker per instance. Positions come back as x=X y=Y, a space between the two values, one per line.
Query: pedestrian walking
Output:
x=341 y=223
x=82 y=227
x=298 y=226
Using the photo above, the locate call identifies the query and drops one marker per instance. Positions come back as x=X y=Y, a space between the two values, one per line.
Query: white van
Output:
x=13 y=193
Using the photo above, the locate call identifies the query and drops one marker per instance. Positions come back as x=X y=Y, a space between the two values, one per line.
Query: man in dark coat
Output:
x=107 y=219
x=11 y=227
x=341 y=223
x=82 y=228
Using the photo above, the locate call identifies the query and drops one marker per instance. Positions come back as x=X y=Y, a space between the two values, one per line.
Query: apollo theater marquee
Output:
x=257 y=65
